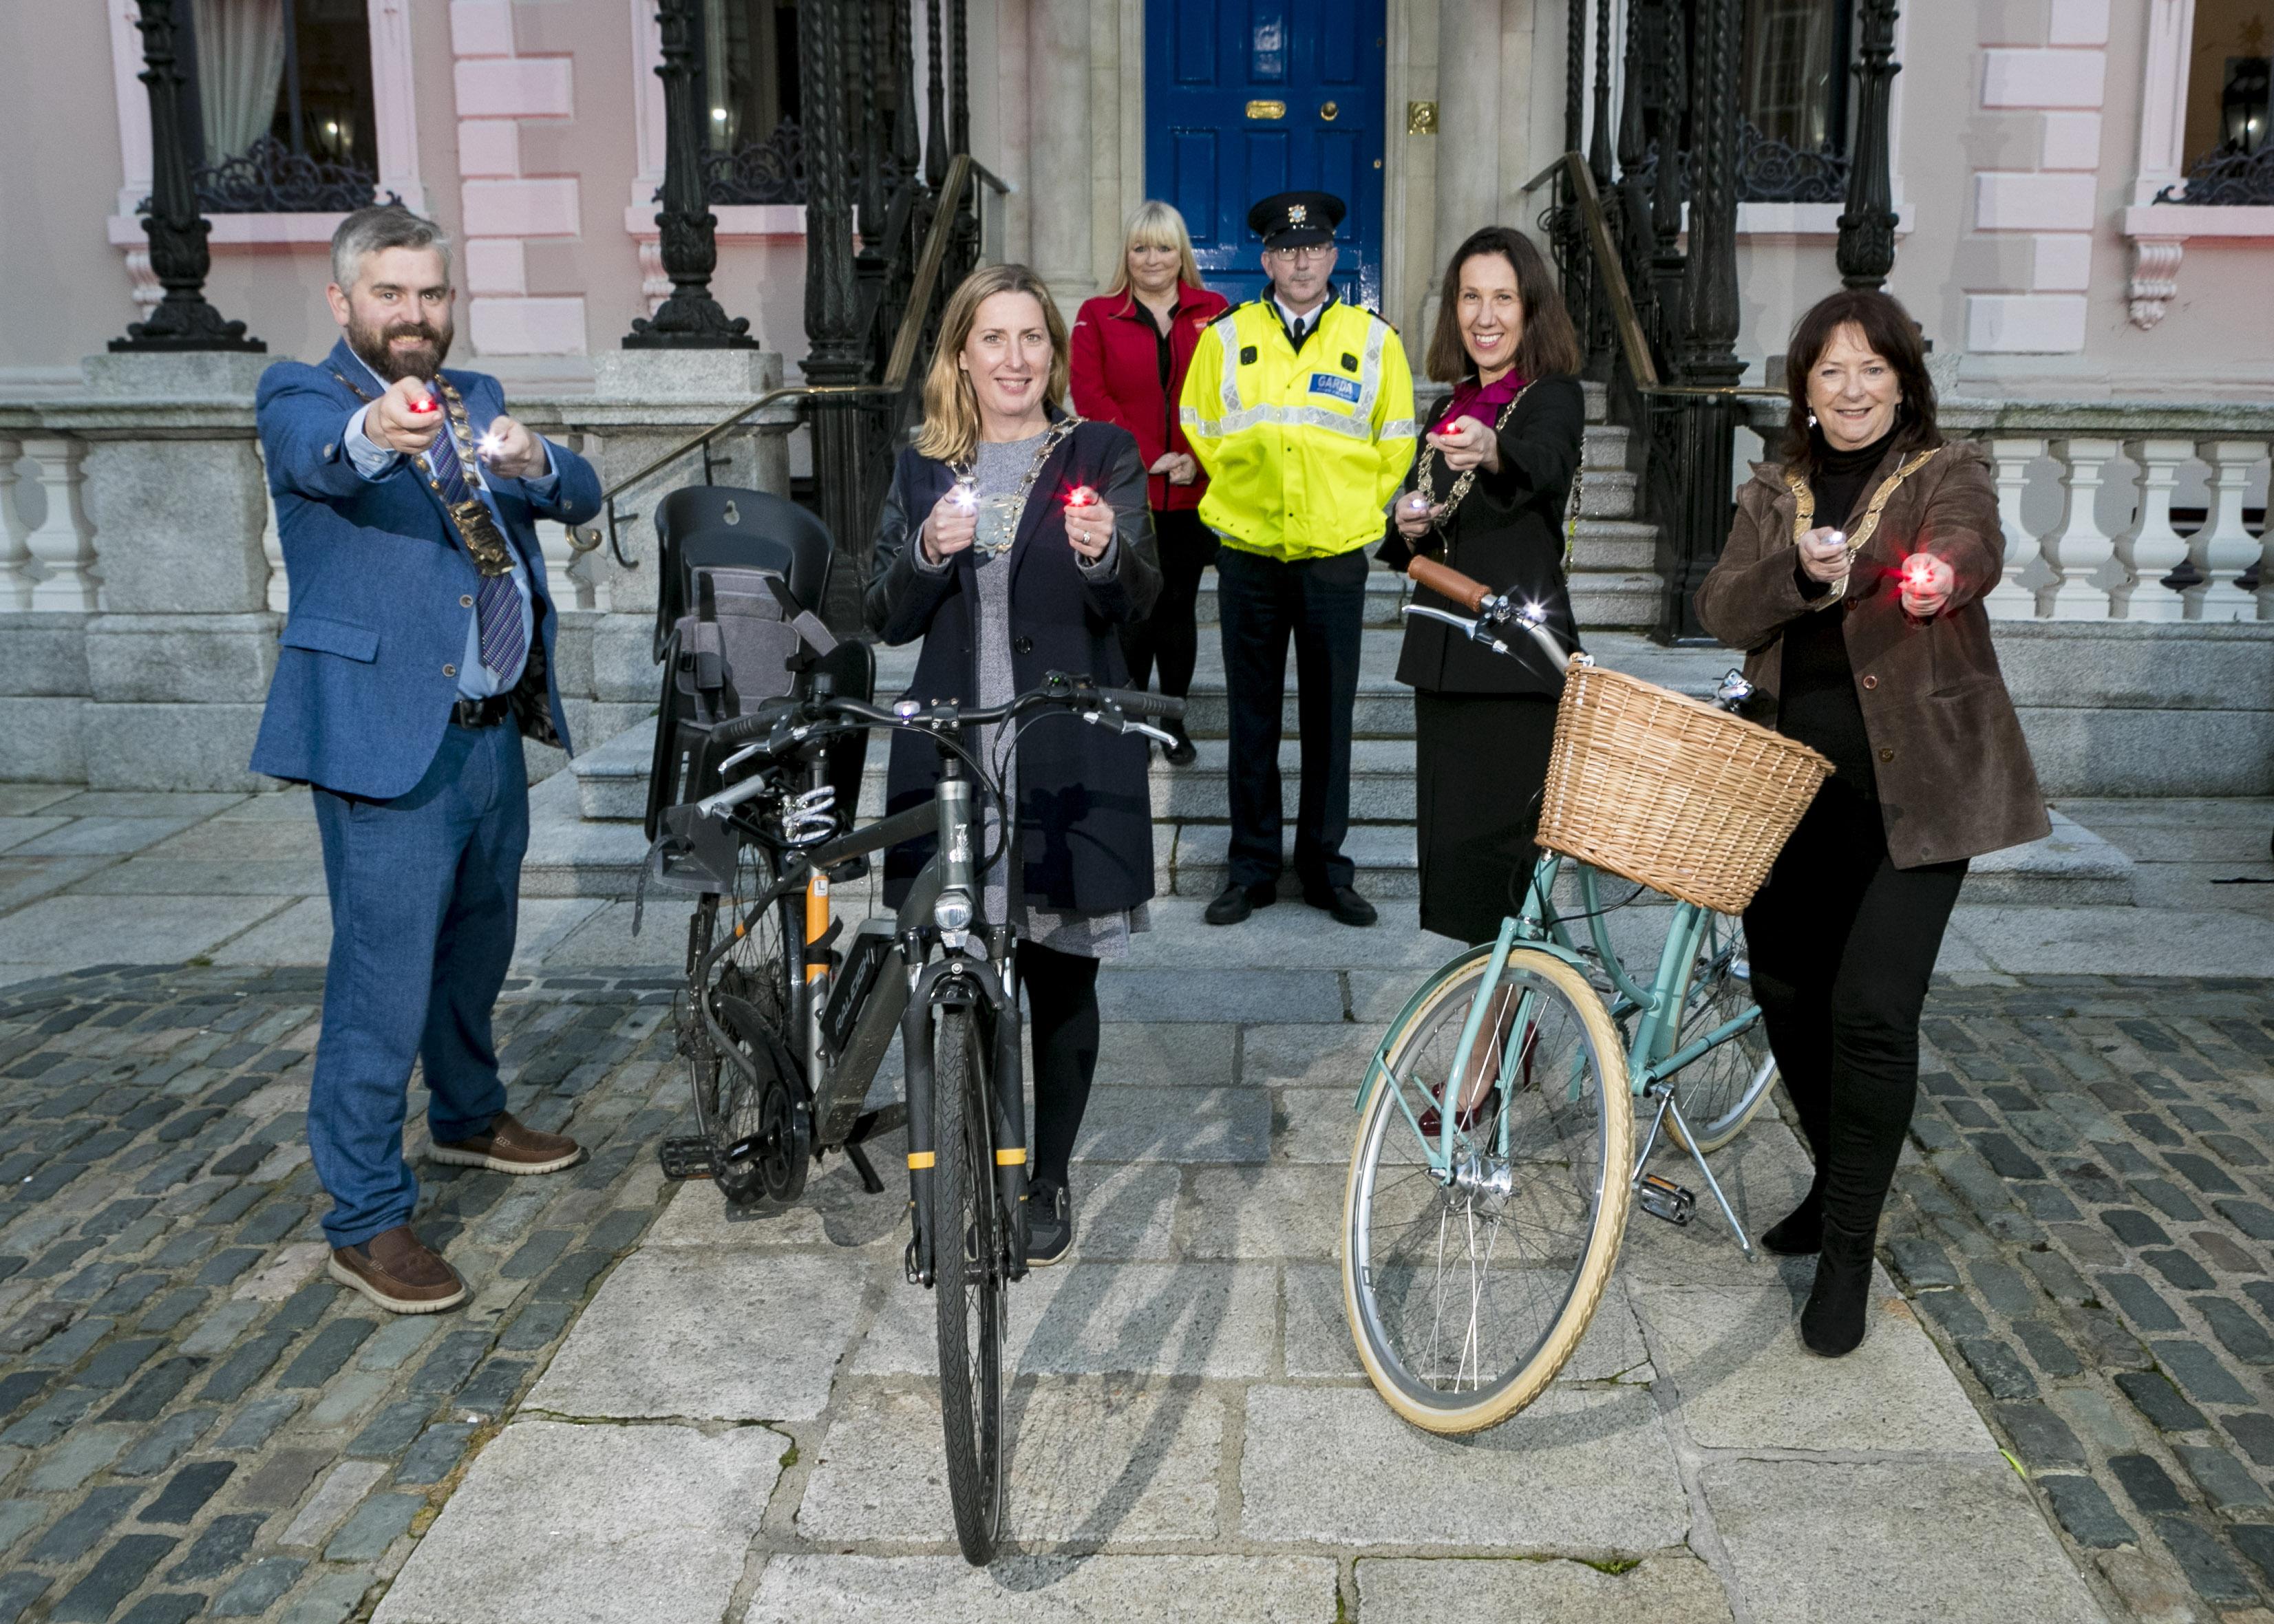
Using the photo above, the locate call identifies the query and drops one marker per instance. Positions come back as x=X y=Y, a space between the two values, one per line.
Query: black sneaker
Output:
x=1049 y=1223
x=1184 y=753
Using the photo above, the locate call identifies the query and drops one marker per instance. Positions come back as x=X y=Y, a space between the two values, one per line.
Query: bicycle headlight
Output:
x=953 y=911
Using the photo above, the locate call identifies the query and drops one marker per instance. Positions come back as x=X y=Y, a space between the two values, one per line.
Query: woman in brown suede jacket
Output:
x=1853 y=579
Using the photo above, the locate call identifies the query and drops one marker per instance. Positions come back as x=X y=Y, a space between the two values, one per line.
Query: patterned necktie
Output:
x=497 y=604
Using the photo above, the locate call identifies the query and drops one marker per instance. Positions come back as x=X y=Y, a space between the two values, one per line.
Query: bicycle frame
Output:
x=1652 y=1059
x=904 y=1004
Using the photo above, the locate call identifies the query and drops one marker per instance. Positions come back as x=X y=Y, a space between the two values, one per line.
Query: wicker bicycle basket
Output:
x=1669 y=791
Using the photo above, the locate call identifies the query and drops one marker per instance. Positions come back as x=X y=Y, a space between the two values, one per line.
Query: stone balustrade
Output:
x=142 y=585
x=2086 y=494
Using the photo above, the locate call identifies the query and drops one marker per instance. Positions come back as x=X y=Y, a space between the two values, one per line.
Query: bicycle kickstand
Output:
x=1689 y=1140
x=859 y=1158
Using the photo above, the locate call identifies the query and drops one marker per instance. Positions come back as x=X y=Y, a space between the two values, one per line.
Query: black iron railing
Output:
x=1643 y=226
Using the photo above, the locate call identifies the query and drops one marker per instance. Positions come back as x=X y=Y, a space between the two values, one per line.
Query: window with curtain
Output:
x=279 y=109
x=1793 y=95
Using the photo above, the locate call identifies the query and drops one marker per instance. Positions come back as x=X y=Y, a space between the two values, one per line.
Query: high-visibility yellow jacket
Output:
x=1303 y=452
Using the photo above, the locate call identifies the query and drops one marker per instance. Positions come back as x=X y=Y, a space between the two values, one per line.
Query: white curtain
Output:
x=240 y=67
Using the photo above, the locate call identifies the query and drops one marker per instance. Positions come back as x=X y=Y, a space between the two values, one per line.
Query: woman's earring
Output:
x=1811 y=419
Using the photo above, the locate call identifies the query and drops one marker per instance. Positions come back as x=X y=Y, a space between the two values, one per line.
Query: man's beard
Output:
x=422 y=361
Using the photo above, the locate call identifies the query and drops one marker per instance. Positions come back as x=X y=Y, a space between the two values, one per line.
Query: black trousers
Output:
x=1168 y=634
x=1062 y=1020
x=1321 y=604
x=1843 y=943
x=1479 y=760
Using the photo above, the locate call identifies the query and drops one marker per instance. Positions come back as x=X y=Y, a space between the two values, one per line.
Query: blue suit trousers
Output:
x=424 y=891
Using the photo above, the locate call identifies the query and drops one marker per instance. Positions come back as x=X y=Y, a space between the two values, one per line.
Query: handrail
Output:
x=963 y=169
x=1624 y=319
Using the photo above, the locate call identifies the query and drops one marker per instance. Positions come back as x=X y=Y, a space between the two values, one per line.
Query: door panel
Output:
x=1215 y=144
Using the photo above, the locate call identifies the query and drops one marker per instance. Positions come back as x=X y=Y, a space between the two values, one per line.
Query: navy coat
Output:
x=1085 y=811
x=378 y=581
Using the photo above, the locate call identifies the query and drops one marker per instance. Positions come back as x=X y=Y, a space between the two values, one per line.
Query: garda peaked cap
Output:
x=1296 y=219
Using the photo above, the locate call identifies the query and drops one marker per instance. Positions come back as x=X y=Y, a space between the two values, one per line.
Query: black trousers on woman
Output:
x=1062 y=1020
x=1479 y=762
x=1168 y=635
x=1843 y=943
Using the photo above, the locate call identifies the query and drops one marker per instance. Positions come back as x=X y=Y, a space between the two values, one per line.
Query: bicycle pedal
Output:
x=1662 y=1198
x=688 y=1156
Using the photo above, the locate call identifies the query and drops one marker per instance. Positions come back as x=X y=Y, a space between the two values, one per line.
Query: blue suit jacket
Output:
x=379 y=583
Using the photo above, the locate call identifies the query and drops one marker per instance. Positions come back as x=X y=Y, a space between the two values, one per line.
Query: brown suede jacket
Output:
x=1954 y=776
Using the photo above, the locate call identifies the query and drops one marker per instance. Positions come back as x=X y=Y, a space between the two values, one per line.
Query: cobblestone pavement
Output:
x=194 y=1421
x=2090 y=1235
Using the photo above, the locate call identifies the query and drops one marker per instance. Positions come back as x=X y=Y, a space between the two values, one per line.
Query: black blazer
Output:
x=1085 y=812
x=1509 y=534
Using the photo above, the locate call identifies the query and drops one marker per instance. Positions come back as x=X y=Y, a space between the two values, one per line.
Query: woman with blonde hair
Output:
x=1131 y=345
x=982 y=552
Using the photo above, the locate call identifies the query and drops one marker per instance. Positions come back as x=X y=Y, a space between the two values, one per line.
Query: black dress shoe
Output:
x=1839 y=1304
x=1344 y=903
x=1235 y=902
x=1184 y=753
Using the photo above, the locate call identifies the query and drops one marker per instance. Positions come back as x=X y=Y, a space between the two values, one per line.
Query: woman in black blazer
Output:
x=981 y=554
x=1486 y=496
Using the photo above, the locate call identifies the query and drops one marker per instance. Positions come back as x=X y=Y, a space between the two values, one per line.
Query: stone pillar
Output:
x=1468 y=142
x=178 y=664
x=2222 y=549
x=2080 y=550
x=63 y=544
x=1058 y=104
x=2010 y=600
x=2150 y=549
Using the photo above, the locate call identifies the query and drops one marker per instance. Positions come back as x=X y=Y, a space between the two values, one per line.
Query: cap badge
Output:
x=1297 y=214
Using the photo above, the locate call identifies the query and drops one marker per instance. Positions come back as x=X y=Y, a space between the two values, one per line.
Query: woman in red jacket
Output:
x=1130 y=348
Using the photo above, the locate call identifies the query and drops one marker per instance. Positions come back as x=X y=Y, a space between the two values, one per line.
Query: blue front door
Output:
x=1243 y=98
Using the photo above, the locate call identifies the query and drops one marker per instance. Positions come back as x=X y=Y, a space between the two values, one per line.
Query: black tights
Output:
x=1187 y=547
x=1842 y=943
x=1062 y=1018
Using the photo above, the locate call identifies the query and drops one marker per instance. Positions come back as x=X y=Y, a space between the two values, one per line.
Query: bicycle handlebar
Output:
x=1447 y=582
x=1058 y=689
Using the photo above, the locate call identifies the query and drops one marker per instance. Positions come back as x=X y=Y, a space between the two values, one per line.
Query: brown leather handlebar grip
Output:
x=1449 y=582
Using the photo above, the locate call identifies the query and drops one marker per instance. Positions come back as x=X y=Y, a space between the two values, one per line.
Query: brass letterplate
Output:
x=1266 y=109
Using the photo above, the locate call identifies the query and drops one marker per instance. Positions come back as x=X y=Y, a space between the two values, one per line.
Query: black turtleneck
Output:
x=1818 y=705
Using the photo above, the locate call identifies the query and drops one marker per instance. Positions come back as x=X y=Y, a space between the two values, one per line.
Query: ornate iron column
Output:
x=936 y=154
x=177 y=229
x=1867 y=226
x=1598 y=140
x=832 y=328
x=690 y=318
x=1706 y=343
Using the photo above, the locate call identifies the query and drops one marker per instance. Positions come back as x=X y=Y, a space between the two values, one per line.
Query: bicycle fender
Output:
x=1458 y=962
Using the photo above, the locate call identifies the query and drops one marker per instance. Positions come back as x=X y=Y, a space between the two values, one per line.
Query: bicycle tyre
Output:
x=1580 y=1167
x=749 y=994
x=970 y=1285
x=1720 y=1090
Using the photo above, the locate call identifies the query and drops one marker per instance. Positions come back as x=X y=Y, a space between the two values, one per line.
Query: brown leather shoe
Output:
x=399 y=1273
x=511 y=1146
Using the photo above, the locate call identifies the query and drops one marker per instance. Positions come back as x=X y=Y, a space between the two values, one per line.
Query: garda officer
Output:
x=1300 y=408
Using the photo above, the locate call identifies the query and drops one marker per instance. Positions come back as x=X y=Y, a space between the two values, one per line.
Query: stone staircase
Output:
x=586 y=839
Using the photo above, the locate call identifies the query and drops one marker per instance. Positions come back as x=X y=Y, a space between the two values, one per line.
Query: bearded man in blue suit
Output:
x=418 y=652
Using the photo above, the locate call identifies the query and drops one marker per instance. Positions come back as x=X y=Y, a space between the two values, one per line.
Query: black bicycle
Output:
x=785 y=1028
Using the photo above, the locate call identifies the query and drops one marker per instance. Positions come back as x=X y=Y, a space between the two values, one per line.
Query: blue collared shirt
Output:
x=374 y=461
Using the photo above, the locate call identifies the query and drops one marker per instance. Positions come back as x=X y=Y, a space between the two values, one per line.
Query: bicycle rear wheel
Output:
x=1467 y=1290
x=749 y=995
x=969 y=1292
x=1719 y=1091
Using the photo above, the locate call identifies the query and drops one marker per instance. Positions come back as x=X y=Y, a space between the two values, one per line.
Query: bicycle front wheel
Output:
x=970 y=1290
x=1468 y=1286
x=1719 y=1091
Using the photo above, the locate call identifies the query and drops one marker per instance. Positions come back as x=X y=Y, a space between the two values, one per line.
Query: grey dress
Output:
x=996 y=472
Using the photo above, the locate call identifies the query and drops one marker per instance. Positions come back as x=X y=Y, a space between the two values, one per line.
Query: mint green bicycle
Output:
x=1494 y=1168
